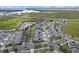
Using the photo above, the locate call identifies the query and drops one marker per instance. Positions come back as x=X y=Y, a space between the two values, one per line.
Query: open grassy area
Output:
x=65 y=48
x=10 y=22
x=57 y=14
x=72 y=28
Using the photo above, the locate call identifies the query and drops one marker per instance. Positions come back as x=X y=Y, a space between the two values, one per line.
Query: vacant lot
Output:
x=72 y=27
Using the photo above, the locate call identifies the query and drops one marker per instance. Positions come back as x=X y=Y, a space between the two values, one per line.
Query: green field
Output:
x=10 y=23
x=72 y=28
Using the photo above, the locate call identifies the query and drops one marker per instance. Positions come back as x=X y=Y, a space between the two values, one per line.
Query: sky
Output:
x=39 y=3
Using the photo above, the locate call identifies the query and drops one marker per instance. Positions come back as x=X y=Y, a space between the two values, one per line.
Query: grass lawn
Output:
x=72 y=28
x=32 y=31
x=37 y=46
x=65 y=48
x=55 y=39
x=9 y=45
x=51 y=49
x=44 y=50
